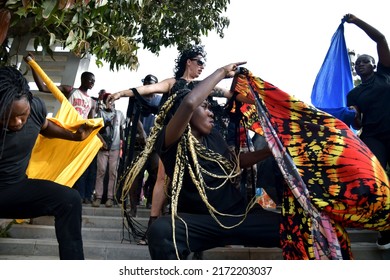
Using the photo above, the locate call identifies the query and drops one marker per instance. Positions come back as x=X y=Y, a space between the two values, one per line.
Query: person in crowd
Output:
x=146 y=121
x=189 y=66
x=22 y=119
x=108 y=157
x=371 y=99
x=208 y=209
x=86 y=107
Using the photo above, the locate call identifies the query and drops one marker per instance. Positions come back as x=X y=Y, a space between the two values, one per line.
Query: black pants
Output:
x=260 y=228
x=151 y=165
x=33 y=198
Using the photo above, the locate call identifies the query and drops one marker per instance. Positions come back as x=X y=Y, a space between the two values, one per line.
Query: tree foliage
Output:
x=113 y=30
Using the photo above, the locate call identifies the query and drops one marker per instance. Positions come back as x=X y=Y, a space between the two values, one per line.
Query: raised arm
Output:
x=161 y=87
x=375 y=35
x=40 y=84
x=193 y=100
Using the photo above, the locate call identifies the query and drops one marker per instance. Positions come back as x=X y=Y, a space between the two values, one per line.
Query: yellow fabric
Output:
x=58 y=160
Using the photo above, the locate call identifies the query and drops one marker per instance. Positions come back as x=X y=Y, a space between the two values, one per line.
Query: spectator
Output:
x=151 y=166
x=109 y=155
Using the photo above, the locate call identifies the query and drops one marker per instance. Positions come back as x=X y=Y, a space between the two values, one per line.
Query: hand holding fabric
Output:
x=83 y=132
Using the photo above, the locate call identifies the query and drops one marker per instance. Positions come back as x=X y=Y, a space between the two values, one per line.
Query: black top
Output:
x=373 y=100
x=17 y=145
x=226 y=199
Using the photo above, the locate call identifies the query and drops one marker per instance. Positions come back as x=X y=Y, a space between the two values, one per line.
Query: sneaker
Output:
x=96 y=202
x=383 y=241
x=109 y=202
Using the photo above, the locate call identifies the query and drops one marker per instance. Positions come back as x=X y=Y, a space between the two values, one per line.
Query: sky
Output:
x=283 y=42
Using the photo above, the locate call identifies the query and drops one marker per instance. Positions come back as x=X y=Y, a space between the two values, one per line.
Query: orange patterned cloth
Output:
x=334 y=181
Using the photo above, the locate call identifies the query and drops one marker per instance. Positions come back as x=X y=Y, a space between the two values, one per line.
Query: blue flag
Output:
x=334 y=80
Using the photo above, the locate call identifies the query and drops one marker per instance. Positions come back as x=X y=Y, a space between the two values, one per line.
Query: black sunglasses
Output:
x=199 y=61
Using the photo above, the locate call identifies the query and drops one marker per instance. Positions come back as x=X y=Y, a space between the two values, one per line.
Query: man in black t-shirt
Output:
x=371 y=99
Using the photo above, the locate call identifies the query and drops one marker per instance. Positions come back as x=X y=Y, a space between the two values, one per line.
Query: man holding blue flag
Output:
x=372 y=100
x=334 y=80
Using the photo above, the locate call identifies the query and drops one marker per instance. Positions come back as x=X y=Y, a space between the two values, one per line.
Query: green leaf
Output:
x=75 y=19
x=48 y=7
x=149 y=24
x=52 y=39
x=71 y=41
x=90 y=32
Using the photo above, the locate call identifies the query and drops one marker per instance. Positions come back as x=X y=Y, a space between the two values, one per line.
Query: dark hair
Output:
x=188 y=53
x=366 y=55
x=180 y=94
x=13 y=86
x=150 y=78
x=86 y=75
x=105 y=96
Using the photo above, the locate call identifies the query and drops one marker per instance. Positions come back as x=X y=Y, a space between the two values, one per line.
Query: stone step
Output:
x=360 y=251
x=93 y=250
x=47 y=249
x=106 y=237
x=93 y=221
x=28 y=231
x=27 y=257
x=114 y=228
x=114 y=211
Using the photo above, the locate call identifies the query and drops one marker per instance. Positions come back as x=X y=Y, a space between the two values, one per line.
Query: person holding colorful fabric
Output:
x=189 y=66
x=371 y=99
x=208 y=209
x=22 y=119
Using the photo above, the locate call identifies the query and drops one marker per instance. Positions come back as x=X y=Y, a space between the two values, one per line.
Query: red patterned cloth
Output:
x=334 y=181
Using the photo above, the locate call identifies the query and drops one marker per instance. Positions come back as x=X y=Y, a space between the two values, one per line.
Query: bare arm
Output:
x=221 y=92
x=92 y=113
x=250 y=158
x=39 y=82
x=228 y=94
x=375 y=35
x=141 y=132
x=357 y=121
x=193 y=100
x=51 y=130
x=161 y=87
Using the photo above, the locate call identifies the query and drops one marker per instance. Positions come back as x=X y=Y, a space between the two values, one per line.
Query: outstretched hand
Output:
x=231 y=69
x=111 y=98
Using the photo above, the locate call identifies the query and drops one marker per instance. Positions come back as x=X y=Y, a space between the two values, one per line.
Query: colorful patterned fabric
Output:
x=60 y=160
x=334 y=181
